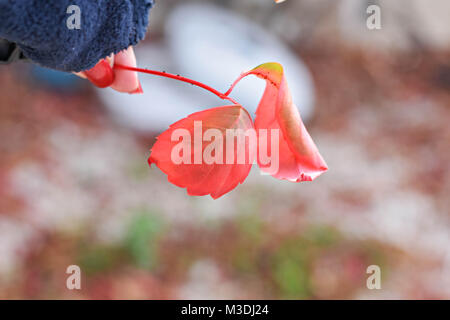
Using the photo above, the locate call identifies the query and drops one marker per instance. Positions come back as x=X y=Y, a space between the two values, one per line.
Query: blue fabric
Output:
x=40 y=30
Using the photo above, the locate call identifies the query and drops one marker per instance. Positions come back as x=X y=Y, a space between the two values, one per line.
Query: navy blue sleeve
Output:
x=39 y=27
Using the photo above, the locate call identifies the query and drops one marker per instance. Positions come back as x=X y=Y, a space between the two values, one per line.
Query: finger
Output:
x=101 y=75
x=110 y=60
x=126 y=81
x=80 y=74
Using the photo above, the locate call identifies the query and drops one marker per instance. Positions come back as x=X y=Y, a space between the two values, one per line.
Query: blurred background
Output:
x=75 y=187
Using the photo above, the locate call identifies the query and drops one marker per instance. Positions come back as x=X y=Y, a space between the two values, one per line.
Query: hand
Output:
x=104 y=75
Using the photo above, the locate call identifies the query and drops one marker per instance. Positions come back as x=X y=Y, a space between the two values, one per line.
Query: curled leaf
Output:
x=209 y=152
x=298 y=157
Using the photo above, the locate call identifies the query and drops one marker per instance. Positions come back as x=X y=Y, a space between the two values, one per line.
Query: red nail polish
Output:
x=102 y=75
x=138 y=90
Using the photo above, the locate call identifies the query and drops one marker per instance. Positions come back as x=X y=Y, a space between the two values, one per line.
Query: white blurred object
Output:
x=214 y=45
x=164 y=100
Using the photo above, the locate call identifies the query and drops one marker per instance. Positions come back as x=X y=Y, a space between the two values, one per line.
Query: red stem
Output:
x=177 y=77
x=236 y=81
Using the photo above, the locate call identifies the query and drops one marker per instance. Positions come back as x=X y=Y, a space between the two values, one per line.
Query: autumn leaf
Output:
x=278 y=138
x=195 y=154
x=298 y=157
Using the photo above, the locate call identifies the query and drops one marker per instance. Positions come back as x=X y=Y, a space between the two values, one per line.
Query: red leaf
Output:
x=179 y=159
x=299 y=159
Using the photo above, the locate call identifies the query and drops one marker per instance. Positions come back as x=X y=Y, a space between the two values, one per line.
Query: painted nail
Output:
x=138 y=90
x=102 y=75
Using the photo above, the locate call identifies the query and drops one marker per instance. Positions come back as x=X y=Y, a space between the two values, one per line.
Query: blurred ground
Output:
x=75 y=188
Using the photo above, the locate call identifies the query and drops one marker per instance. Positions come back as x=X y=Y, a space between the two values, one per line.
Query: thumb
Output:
x=125 y=80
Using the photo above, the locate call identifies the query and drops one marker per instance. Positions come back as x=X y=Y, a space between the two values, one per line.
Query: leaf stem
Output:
x=236 y=81
x=179 y=78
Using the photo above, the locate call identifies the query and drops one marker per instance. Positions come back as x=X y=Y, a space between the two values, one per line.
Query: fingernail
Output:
x=138 y=90
x=102 y=75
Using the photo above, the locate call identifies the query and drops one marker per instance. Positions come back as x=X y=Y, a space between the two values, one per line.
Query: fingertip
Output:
x=125 y=80
x=138 y=90
x=80 y=74
x=101 y=75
